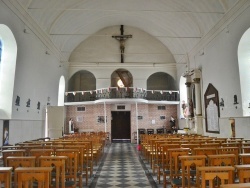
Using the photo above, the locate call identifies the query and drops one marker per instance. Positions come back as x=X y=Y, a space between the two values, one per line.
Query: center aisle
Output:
x=121 y=168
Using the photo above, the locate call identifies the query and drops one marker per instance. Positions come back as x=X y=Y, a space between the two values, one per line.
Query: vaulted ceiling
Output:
x=178 y=24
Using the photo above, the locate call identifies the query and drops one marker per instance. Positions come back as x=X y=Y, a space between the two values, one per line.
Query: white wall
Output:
x=219 y=66
x=22 y=130
x=37 y=78
x=38 y=74
x=144 y=56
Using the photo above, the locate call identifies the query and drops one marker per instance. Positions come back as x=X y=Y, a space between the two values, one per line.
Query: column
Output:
x=197 y=96
x=198 y=110
x=196 y=79
x=188 y=84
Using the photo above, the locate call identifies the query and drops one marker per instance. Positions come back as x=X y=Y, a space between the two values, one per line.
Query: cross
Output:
x=122 y=38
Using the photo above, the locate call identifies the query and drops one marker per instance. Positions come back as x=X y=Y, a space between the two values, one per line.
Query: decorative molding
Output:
x=108 y=64
x=33 y=26
x=228 y=18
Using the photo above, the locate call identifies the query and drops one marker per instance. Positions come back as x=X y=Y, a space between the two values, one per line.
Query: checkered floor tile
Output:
x=122 y=168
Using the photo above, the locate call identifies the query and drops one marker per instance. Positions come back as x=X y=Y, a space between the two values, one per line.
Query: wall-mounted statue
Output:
x=17 y=101
x=28 y=103
x=38 y=105
x=235 y=99
x=222 y=102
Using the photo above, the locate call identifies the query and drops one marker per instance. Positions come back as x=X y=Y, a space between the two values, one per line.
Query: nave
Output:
x=122 y=167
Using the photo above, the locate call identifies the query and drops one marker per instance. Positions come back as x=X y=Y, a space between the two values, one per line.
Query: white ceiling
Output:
x=178 y=24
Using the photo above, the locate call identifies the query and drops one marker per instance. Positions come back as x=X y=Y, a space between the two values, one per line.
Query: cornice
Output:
x=33 y=26
x=121 y=65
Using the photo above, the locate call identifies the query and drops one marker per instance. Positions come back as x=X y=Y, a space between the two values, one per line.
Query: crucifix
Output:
x=122 y=38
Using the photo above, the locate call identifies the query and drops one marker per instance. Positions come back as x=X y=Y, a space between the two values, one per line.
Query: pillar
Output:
x=188 y=84
x=197 y=96
x=198 y=110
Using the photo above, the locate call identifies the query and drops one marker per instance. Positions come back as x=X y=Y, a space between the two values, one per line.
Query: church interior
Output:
x=126 y=73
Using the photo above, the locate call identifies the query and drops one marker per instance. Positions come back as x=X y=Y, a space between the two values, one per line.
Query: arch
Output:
x=124 y=75
x=61 y=91
x=7 y=71
x=243 y=61
x=161 y=81
x=183 y=95
x=121 y=78
x=82 y=80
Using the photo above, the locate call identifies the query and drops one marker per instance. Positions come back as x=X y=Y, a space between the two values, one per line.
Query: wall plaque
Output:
x=212 y=109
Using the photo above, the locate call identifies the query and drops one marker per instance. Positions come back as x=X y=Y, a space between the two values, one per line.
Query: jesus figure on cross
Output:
x=122 y=38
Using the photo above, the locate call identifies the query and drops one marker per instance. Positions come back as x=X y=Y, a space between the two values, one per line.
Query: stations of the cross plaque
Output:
x=122 y=38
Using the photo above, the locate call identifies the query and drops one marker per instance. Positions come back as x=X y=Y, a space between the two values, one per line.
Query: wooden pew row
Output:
x=89 y=156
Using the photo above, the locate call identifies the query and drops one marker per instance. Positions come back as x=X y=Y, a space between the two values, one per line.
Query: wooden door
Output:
x=120 y=126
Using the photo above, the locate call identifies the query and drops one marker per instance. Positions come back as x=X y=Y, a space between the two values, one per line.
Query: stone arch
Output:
x=82 y=80
x=160 y=81
x=243 y=61
x=121 y=78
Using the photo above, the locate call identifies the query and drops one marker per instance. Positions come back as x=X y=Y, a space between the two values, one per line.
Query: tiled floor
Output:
x=122 y=167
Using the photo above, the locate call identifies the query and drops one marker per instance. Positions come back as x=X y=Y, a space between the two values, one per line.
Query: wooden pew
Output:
x=18 y=161
x=58 y=164
x=26 y=176
x=243 y=173
x=221 y=160
x=236 y=185
x=188 y=171
x=210 y=173
x=174 y=169
x=41 y=152
x=71 y=171
x=5 y=176
x=230 y=150
x=7 y=153
x=244 y=158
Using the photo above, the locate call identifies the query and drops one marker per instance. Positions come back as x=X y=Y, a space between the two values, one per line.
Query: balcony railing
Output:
x=122 y=93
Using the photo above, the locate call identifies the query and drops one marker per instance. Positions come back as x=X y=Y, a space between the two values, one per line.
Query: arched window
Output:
x=183 y=96
x=244 y=69
x=1 y=50
x=7 y=71
x=61 y=91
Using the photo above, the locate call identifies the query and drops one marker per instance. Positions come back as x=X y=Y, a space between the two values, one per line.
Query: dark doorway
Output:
x=120 y=126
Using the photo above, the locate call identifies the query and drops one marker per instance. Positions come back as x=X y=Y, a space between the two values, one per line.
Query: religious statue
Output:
x=172 y=124
x=28 y=103
x=17 y=101
x=38 y=105
x=71 y=125
x=222 y=102
x=122 y=38
x=191 y=108
x=235 y=99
